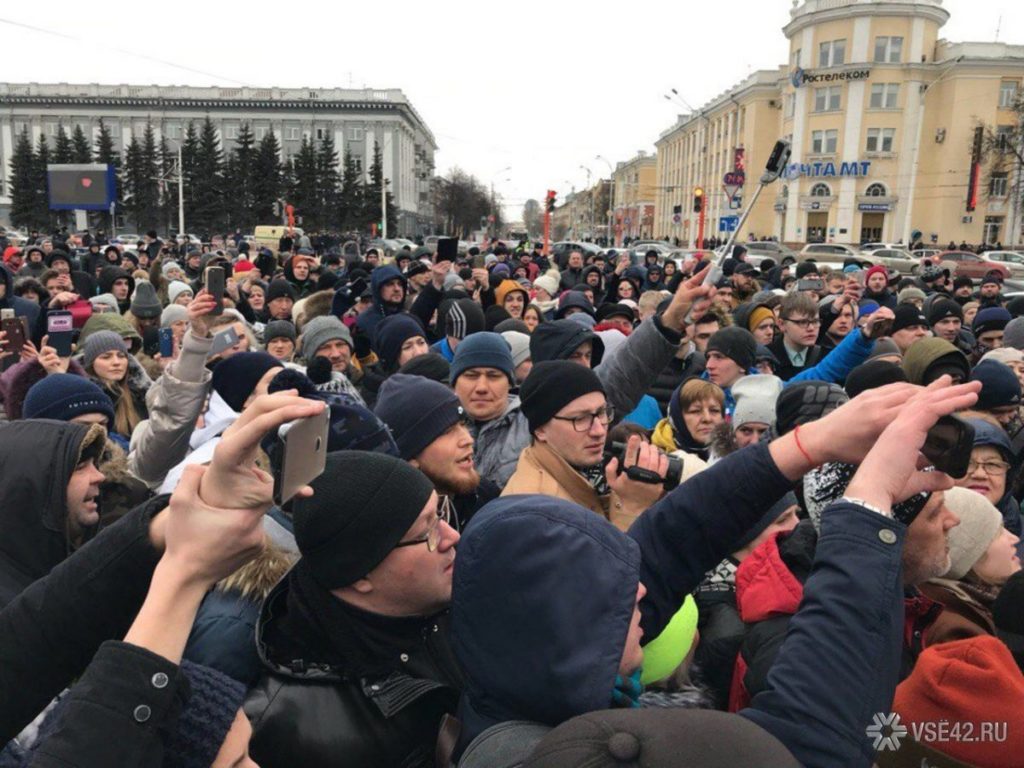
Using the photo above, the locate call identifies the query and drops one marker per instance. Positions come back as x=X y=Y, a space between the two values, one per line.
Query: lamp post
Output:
x=493 y=215
x=611 y=199
x=590 y=194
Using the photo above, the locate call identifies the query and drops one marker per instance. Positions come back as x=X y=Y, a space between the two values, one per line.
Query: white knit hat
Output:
x=175 y=289
x=520 y=345
x=548 y=283
x=980 y=523
x=755 y=399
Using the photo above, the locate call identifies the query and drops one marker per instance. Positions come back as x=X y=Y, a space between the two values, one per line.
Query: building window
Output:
x=231 y=132
x=888 y=50
x=355 y=133
x=292 y=133
x=261 y=132
x=885 y=95
x=358 y=162
x=19 y=128
x=795 y=59
x=824 y=142
x=319 y=134
x=876 y=190
x=821 y=190
x=997 y=185
x=880 y=139
x=1004 y=137
x=172 y=131
x=113 y=128
x=993 y=227
x=1007 y=94
x=51 y=129
x=827 y=99
x=832 y=53
x=790 y=108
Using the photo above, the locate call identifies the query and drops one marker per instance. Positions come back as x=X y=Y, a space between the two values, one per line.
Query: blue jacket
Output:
x=853 y=350
x=443 y=349
x=368 y=318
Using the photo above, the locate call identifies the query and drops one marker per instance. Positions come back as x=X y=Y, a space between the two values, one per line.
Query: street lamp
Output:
x=611 y=198
x=496 y=175
x=590 y=194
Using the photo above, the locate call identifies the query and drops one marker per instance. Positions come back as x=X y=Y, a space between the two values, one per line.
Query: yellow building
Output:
x=633 y=193
x=882 y=116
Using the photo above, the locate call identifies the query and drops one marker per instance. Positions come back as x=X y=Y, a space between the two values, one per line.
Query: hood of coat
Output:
x=723 y=440
x=382 y=275
x=37 y=459
x=770 y=581
x=109 y=274
x=924 y=352
x=559 y=339
x=552 y=652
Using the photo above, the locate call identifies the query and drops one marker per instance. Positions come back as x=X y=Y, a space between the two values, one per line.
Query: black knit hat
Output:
x=942 y=309
x=871 y=375
x=213 y=703
x=363 y=505
x=430 y=366
x=281 y=288
x=551 y=386
x=235 y=378
x=805 y=268
x=738 y=344
x=461 y=318
x=908 y=316
x=417 y=410
x=806 y=401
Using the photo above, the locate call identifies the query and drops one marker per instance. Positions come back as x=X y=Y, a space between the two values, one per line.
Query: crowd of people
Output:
x=575 y=510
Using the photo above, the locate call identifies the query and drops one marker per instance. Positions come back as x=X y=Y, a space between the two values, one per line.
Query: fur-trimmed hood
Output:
x=255 y=579
x=723 y=441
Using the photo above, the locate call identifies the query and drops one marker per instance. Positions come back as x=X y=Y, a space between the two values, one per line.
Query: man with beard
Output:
x=429 y=426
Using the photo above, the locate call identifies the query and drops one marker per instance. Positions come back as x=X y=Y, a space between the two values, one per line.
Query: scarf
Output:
x=627 y=690
x=985 y=594
x=721 y=578
x=681 y=435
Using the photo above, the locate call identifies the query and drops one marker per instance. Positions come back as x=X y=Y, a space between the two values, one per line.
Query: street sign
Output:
x=728 y=223
x=736 y=203
x=730 y=189
x=735 y=178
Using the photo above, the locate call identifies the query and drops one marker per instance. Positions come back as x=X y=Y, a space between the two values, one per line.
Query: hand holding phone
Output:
x=214 y=282
x=60 y=330
x=304 y=454
x=223 y=340
x=949 y=444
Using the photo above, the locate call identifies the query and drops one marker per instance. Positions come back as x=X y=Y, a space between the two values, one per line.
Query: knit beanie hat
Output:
x=512 y=325
x=281 y=288
x=363 y=505
x=483 y=350
x=321 y=330
x=173 y=313
x=908 y=316
x=170 y=266
x=551 y=386
x=392 y=332
x=106 y=299
x=235 y=377
x=827 y=484
x=738 y=344
x=62 y=396
x=907 y=295
x=871 y=375
x=548 y=283
x=999 y=385
x=213 y=703
x=417 y=410
x=885 y=347
x=963 y=682
x=1004 y=355
x=805 y=268
x=757 y=316
x=990 y=319
x=430 y=366
x=494 y=315
x=279 y=329
x=942 y=309
x=659 y=738
x=806 y=401
x=980 y=523
x=1013 y=333
x=992 y=278
x=176 y=288
x=145 y=304
x=520 y=345
x=1009 y=617
x=755 y=398
x=878 y=269
x=463 y=317
x=99 y=343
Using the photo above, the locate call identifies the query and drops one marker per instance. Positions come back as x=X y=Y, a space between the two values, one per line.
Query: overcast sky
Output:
x=543 y=87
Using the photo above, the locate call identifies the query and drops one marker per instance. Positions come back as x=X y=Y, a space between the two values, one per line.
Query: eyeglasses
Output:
x=433 y=536
x=585 y=421
x=803 y=323
x=991 y=468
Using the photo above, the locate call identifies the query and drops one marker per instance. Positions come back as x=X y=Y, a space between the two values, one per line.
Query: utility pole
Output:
x=181 y=195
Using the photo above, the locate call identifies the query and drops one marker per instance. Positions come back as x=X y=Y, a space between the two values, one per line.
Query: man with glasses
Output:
x=354 y=640
x=569 y=417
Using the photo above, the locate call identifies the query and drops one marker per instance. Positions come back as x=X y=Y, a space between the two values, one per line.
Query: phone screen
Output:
x=214 y=283
x=166 y=342
x=59 y=328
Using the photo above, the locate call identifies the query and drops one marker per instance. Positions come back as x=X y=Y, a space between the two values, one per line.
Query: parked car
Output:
x=1007 y=257
x=564 y=246
x=965 y=263
x=14 y=237
x=759 y=250
x=895 y=259
x=817 y=251
x=925 y=253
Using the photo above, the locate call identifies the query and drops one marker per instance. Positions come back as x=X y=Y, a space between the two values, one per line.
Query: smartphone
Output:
x=948 y=446
x=479 y=261
x=60 y=328
x=447 y=249
x=16 y=330
x=304 y=455
x=167 y=343
x=222 y=340
x=6 y=314
x=860 y=276
x=811 y=284
x=213 y=281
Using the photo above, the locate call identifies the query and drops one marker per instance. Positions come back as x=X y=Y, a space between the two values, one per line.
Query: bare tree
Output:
x=1002 y=152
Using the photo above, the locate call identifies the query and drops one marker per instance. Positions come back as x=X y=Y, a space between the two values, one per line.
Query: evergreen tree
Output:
x=81 y=152
x=371 y=196
x=239 y=175
x=42 y=159
x=24 y=198
x=141 y=186
x=166 y=162
x=329 y=182
x=63 y=151
x=267 y=182
x=189 y=150
x=350 y=202
x=305 y=191
x=208 y=190
x=107 y=154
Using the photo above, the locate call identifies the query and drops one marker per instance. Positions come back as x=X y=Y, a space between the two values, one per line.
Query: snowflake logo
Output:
x=886 y=731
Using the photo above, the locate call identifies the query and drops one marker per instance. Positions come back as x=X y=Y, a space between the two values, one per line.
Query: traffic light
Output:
x=551 y=201
x=698 y=199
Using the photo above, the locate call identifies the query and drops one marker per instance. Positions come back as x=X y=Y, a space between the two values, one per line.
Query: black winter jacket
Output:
x=673 y=374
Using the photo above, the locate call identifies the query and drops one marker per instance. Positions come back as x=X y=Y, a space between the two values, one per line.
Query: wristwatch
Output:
x=862 y=503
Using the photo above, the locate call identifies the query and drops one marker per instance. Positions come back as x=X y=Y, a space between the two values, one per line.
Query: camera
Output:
x=672 y=477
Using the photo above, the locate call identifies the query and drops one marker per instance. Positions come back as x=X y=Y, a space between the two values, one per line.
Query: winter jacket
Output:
x=37 y=459
x=106 y=284
x=366 y=324
x=541 y=470
x=174 y=403
x=721 y=632
x=22 y=307
x=120 y=491
x=17 y=380
x=964 y=614
x=853 y=350
x=315 y=705
x=202 y=442
x=444 y=349
x=499 y=442
x=569 y=278
x=52 y=630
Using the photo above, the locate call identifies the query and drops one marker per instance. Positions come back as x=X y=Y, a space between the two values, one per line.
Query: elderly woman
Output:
x=696 y=408
x=991 y=471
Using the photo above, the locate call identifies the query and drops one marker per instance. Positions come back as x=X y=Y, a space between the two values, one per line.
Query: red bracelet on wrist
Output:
x=806 y=455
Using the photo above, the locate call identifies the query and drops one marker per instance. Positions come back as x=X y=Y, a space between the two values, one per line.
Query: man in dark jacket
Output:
x=118 y=282
x=389 y=287
x=49 y=486
x=570 y=642
x=22 y=307
x=297 y=272
x=82 y=283
x=354 y=640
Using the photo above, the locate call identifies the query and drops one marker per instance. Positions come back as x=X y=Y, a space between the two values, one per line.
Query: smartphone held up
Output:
x=303 y=455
